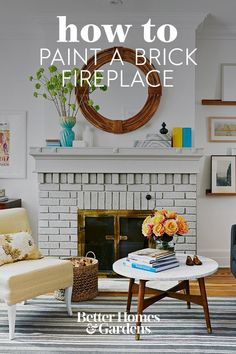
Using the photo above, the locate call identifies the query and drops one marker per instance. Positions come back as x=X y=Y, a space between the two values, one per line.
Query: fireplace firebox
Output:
x=110 y=234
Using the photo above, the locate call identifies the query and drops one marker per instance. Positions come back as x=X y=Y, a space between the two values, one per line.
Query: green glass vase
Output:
x=165 y=242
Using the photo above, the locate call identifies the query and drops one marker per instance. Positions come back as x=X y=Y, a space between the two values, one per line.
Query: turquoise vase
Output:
x=66 y=134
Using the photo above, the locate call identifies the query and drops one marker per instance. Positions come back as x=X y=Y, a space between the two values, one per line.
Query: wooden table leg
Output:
x=130 y=293
x=201 y=283
x=141 y=293
x=188 y=293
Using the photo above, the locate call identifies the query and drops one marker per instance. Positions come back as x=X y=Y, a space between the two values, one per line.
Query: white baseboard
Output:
x=222 y=257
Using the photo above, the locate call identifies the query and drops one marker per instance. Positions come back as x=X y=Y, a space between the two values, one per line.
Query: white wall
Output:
x=215 y=214
x=16 y=64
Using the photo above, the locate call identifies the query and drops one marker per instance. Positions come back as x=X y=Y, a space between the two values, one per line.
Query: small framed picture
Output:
x=222 y=174
x=222 y=129
x=13 y=149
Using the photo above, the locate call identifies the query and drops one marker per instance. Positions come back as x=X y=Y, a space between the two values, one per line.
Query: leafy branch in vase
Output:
x=50 y=87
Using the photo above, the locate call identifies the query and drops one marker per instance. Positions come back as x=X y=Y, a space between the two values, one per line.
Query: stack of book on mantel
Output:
x=53 y=142
x=152 y=260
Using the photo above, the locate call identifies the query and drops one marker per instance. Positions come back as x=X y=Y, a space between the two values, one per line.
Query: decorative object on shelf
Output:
x=182 y=137
x=228 y=82
x=163 y=130
x=157 y=140
x=222 y=174
x=13 y=135
x=162 y=226
x=88 y=136
x=222 y=129
x=66 y=134
x=177 y=137
x=79 y=143
x=51 y=86
x=119 y=126
x=187 y=137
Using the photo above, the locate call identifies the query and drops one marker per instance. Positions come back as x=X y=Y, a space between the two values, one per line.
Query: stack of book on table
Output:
x=152 y=260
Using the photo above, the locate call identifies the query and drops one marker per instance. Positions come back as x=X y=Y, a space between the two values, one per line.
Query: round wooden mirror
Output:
x=119 y=126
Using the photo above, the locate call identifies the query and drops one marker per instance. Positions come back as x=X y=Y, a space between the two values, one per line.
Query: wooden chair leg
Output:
x=130 y=293
x=201 y=283
x=11 y=309
x=68 y=294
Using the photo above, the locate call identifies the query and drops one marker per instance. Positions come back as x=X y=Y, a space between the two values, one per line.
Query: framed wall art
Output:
x=12 y=144
x=222 y=129
x=222 y=174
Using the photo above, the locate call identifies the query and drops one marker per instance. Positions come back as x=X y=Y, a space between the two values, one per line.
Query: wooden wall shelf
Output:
x=210 y=193
x=218 y=103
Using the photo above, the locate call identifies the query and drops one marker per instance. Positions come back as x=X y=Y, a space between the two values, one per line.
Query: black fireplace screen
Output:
x=110 y=235
x=98 y=238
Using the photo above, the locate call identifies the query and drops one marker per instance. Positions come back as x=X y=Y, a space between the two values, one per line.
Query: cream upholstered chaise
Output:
x=26 y=279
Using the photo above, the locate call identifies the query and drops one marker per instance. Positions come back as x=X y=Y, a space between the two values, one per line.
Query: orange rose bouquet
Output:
x=163 y=225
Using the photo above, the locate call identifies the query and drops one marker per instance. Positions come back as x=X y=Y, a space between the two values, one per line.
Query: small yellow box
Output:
x=177 y=137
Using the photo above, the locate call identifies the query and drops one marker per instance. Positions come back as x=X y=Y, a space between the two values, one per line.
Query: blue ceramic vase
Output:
x=66 y=134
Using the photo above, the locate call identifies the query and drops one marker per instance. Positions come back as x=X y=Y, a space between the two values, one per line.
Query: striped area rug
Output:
x=43 y=327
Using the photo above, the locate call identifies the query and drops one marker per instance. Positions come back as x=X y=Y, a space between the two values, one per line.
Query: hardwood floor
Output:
x=222 y=283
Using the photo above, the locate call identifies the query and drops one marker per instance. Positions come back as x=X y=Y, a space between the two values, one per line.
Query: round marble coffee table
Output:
x=182 y=274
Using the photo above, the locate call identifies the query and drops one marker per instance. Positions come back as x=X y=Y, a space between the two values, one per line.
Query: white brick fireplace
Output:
x=106 y=178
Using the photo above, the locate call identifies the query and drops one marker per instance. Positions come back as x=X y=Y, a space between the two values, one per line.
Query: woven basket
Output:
x=85 y=281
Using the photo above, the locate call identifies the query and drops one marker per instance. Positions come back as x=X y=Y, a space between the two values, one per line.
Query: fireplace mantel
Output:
x=116 y=160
